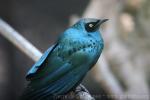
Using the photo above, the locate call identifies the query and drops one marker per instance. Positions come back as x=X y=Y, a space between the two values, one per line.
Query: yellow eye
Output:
x=91 y=25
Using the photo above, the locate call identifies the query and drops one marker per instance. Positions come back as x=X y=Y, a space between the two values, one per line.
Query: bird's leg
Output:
x=82 y=93
x=80 y=88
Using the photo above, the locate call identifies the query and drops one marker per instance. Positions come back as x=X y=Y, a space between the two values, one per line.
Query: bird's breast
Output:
x=80 y=52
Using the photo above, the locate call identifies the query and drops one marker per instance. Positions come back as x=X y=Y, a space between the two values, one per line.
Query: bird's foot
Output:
x=81 y=88
x=83 y=93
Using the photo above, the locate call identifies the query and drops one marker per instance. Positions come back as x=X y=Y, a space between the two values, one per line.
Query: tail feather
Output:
x=41 y=94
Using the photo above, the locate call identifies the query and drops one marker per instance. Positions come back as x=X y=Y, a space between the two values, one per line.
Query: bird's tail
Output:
x=38 y=94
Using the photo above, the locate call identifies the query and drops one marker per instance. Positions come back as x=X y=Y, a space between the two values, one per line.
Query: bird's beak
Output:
x=100 y=22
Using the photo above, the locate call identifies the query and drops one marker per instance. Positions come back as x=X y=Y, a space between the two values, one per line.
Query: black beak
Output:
x=101 y=21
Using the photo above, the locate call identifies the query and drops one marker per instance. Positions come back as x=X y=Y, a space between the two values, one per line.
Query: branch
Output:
x=107 y=79
x=19 y=41
x=26 y=47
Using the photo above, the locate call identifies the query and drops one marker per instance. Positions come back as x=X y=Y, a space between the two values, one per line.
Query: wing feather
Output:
x=39 y=63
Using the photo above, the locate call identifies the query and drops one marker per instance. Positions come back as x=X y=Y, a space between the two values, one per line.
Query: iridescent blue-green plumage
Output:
x=63 y=66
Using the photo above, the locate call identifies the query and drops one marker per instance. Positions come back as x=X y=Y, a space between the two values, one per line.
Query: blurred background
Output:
x=122 y=71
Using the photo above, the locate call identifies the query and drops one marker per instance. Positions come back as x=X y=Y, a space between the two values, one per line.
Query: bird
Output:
x=63 y=66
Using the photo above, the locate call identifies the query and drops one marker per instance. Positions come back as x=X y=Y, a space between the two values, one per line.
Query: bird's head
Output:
x=86 y=27
x=89 y=24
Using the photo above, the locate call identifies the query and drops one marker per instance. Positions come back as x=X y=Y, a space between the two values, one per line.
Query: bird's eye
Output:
x=91 y=25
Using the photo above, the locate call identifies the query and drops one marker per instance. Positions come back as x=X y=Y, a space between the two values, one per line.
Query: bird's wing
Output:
x=38 y=64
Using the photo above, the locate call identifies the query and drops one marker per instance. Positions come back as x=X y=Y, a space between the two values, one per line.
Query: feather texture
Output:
x=63 y=66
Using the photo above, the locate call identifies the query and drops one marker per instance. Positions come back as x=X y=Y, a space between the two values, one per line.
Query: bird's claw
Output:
x=81 y=88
